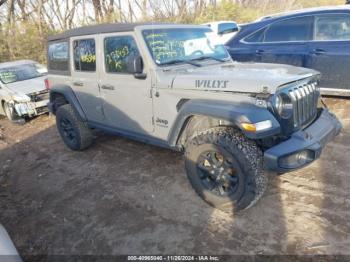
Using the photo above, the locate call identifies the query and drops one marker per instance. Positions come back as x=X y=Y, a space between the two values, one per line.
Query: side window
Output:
x=257 y=37
x=295 y=29
x=332 y=27
x=58 y=56
x=84 y=55
x=117 y=49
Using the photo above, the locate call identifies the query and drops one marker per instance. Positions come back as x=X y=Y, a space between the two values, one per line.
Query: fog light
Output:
x=296 y=160
x=257 y=127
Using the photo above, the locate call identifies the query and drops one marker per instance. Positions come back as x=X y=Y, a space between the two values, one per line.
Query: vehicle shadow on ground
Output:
x=120 y=197
x=126 y=197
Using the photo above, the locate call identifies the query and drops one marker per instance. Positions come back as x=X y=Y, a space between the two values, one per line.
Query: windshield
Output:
x=21 y=72
x=183 y=44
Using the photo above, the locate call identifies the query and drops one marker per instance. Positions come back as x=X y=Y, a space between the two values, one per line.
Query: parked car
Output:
x=22 y=89
x=317 y=38
x=146 y=82
x=223 y=31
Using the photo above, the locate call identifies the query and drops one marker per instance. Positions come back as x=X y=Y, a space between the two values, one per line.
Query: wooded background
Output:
x=25 y=24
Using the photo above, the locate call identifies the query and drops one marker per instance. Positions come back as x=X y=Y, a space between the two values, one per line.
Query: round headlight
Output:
x=279 y=104
x=283 y=106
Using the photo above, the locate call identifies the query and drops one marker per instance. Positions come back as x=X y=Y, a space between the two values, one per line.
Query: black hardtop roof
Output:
x=98 y=29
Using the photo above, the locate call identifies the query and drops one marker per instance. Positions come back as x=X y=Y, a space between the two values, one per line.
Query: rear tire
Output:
x=226 y=169
x=74 y=132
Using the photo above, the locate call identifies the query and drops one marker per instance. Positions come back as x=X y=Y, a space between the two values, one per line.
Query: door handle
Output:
x=107 y=87
x=78 y=83
x=259 y=52
x=318 y=51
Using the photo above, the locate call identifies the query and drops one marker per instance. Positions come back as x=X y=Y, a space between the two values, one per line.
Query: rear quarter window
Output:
x=58 y=56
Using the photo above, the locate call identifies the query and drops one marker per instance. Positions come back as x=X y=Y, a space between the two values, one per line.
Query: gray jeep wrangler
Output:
x=168 y=85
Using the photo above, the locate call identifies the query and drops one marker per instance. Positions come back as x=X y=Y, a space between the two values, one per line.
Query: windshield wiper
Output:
x=178 y=61
x=209 y=57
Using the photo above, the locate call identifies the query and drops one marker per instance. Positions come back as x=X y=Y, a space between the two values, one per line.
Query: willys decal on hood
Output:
x=240 y=77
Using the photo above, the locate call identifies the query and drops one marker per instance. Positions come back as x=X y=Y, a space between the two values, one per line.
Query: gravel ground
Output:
x=125 y=197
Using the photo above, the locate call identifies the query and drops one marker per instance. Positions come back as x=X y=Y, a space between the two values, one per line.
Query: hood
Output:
x=240 y=77
x=28 y=86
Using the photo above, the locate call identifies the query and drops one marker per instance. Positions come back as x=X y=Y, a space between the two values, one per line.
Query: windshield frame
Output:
x=226 y=58
x=17 y=67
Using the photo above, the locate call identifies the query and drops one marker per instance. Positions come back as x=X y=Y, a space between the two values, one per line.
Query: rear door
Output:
x=85 y=75
x=329 y=53
x=285 y=41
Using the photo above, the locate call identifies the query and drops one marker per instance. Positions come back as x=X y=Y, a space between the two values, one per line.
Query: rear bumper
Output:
x=304 y=146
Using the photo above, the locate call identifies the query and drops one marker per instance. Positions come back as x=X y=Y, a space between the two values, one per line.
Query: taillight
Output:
x=47 y=84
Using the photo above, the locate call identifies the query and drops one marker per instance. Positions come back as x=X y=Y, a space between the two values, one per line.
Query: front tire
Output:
x=226 y=169
x=10 y=112
x=74 y=132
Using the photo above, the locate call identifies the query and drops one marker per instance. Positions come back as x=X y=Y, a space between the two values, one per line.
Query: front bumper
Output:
x=31 y=108
x=304 y=146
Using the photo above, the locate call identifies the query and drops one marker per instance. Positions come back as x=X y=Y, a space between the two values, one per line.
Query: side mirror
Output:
x=135 y=66
x=226 y=28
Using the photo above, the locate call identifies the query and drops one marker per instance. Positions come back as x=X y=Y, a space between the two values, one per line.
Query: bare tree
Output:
x=10 y=11
x=23 y=12
x=97 y=9
x=24 y=24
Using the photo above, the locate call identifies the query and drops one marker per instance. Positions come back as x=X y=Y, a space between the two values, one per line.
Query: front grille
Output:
x=39 y=96
x=305 y=99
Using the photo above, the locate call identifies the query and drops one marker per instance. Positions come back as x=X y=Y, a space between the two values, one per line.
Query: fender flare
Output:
x=68 y=93
x=233 y=112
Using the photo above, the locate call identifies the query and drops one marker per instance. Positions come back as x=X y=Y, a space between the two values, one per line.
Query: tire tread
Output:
x=85 y=134
x=250 y=159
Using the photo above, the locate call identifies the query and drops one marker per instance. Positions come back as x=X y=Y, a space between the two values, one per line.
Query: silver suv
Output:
x=168 y=85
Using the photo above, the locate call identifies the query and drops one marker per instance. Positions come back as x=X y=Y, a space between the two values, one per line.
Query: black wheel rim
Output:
x=68 y=130
x=218 y=173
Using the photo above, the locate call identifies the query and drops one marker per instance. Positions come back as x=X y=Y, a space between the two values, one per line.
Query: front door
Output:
x=329 y=52
x=282 y=53
x=85 y=76
x=127 y=101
